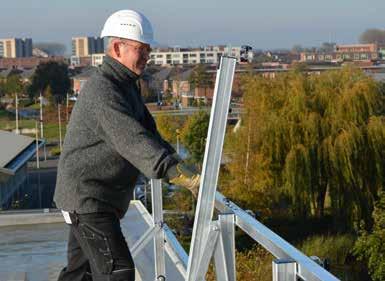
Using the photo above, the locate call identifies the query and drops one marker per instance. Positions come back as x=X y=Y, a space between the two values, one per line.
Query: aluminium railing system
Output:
x=216 y=239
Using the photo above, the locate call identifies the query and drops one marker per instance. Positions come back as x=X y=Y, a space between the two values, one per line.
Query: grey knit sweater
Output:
x=111 y=138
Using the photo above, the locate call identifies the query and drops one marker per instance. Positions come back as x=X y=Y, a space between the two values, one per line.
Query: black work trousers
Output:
x=97 y=250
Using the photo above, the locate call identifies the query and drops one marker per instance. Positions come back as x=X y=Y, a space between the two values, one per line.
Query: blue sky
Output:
x=262 y=24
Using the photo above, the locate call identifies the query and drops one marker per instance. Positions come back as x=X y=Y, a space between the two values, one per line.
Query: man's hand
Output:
x=186 y=177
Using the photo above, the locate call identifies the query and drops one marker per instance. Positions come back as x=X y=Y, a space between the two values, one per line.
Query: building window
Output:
x=193 y=55
x=364 y=56
x=159 y=56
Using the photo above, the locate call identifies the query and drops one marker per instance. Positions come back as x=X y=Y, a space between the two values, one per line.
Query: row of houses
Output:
x=353 y=52
x=161 y=82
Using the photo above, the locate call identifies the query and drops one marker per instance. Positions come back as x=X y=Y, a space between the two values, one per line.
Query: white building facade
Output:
x=174 y=56
x=207 y=55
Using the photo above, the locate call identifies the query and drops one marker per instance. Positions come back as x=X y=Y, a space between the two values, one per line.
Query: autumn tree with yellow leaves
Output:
x=310 y=144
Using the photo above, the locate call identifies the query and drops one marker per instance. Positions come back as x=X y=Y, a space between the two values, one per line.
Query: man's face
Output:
x=134 y=55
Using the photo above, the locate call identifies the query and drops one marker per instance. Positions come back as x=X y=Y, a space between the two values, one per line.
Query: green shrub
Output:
x=55 y=151
x=336 y=248
x=370 y=246
x=251 y=265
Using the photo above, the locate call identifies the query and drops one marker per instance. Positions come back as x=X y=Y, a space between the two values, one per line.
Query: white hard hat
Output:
x=129 y=24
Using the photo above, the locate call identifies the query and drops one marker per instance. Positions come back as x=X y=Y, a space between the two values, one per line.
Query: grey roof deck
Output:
x=38 y=251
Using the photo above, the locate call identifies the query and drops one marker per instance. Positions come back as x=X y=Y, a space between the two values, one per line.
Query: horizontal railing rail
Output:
x=306 y=269
x=290 y=263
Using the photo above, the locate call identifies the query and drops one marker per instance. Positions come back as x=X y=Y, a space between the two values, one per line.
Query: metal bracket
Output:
x=208 y=251
x=157 y=215
x=224 y=254
x=155 y=232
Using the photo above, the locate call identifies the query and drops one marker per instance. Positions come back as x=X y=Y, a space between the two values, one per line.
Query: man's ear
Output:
x=116 y=48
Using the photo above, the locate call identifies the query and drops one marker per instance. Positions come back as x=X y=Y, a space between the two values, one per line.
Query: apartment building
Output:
x=352 y=52
x=86 y=46
x=84 y=49
x=206 y=55
x=15 y=48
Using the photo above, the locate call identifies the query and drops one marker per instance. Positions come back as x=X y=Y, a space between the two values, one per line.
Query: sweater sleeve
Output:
x=152 y=125
x=138 y=145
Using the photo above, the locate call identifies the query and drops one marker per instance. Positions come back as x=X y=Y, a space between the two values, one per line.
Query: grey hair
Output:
x=108 y=41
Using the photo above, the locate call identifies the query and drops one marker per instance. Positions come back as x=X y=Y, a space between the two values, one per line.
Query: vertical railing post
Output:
x=284 y=270
x=157 y=216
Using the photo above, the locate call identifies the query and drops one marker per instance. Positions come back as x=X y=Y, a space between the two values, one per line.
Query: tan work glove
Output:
x=186 y=177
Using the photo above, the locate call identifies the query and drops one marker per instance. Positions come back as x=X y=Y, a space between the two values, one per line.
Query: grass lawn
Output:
x=51 y=127
x=9 y=123
x=51 y=130
x=34 y=106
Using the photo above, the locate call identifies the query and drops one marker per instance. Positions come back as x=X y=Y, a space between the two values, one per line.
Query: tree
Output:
x=370 y=246
x=199 y=78
x=51 y=74
x=2 y=88
x=194 y=134
x=168 y=125
x=13 y=85
x=306 y=139
x=50 y=97
x=373 y=36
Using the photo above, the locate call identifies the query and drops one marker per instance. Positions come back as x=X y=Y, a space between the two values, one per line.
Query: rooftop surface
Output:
x=14 y=144
x=37 y=250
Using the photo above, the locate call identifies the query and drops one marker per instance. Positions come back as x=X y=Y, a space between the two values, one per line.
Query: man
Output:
x=111 y=138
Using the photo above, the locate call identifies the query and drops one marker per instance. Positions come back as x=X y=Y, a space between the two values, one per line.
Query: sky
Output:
x=271 y=24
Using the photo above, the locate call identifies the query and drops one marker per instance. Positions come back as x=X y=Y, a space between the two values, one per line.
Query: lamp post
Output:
x=67 y=105
x=42 y=125
x=60 y=137
x=17 y=113
x=177 y=141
